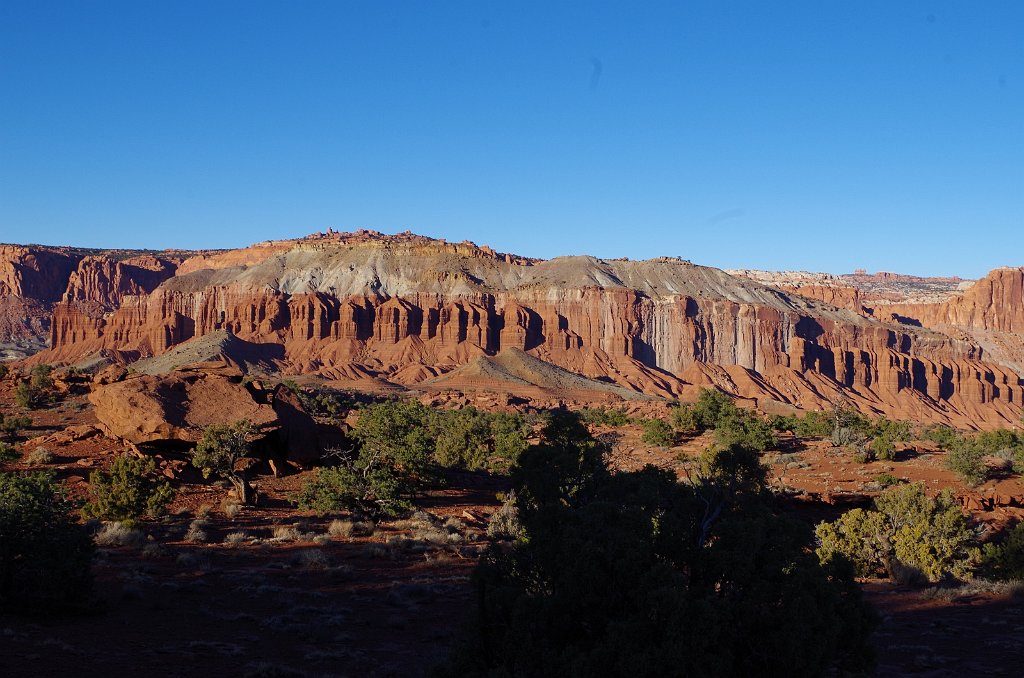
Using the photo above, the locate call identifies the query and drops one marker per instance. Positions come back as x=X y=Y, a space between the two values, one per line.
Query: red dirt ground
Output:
x=263 y=608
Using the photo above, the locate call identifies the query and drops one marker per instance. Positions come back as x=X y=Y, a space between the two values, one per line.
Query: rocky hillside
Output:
x=406 y=310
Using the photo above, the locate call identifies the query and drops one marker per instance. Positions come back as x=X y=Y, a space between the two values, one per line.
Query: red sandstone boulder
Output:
x=175 y=406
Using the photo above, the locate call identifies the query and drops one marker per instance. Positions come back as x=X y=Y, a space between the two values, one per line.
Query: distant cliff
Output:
x=405 y=309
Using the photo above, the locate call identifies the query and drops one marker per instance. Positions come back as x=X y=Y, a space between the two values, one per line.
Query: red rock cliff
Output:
x=405 y=308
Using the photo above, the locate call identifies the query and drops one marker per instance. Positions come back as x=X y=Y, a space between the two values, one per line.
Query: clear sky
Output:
x=820 y=135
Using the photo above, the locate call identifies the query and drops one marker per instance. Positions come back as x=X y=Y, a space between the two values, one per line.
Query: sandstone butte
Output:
x=365 y=307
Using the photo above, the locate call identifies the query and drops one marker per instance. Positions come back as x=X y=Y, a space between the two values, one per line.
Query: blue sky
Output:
x=820 y=135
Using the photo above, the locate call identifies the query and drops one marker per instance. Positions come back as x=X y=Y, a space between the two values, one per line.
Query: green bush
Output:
x=373 y=490
x=745 y=428
x=658 y=432
x=471 y=439
x=969 y=463
x=8 y=453
x=883 y=448
x=1005 y=560
x=716 y=411
x=636 y=574
x=944 y=436
x=132 y=488
x=4 y=371
x=604 y=416
x=400 y=435
x=905 y=531
x=45 y=556
x=887 y=480
x=11 y=425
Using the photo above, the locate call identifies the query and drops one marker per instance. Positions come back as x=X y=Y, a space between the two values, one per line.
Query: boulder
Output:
x=298 y=433
x=175 y=407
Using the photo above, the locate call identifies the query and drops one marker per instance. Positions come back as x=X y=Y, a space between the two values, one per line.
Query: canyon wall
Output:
x=404 y=309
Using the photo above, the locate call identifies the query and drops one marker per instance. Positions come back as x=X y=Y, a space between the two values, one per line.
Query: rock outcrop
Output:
x=406 y=310
x=175 y=407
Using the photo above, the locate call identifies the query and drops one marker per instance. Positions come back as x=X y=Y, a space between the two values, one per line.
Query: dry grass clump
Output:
x=979 y=586
x=236 y=538
x=231 y=507
x=118 y=534
x=196 y=533
x=351 y=528
x=39 y=457
x=311 y=559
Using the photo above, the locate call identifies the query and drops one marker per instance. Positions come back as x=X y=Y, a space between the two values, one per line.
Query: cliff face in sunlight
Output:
x=406 y=309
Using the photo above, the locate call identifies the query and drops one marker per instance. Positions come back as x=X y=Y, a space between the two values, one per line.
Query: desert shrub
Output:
x=711 y=406
x=896 y=431
x=685 y=420
x=219 y=452
x=883 y=447
x=968 y=462
x=311 y=559
x=634 y=573
x=604 y=416
x=8 y=453
x=504 y=523
x=236 y=538
x=471 y=439
x=37 y=391
x=231 y=507
x=716 y=410
x=45 y=555
x=351 y=528
x=887 y=480
x=462 y=440
x=399 y=433
x=41 y=376
x=361 y=485
x=132 y=488
x=658 y=432
x=905 y=530
x=814 y=424
x=4 y=371
x=1006 y=560
x=945 y=437
x=735 y=469
x=746 y=429
x=11 y=425
x=39 y=457
x=196 y=533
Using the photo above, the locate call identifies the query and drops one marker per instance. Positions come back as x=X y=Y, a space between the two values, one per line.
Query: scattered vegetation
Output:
x=39 y=457
x=907 y=536
x=658 y=432
x=1005 y=560
x=132 y=488
x=636 y=573
x=8 y=453
x=716 y=411
x=604 y=416
x=45 y=555
x=38 y=390
x=11 y=425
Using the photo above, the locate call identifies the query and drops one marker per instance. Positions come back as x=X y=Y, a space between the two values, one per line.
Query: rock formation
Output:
x=406 y=309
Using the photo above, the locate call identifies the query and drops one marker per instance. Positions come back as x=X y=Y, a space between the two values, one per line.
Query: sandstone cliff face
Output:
x=407 y=309
x=34 y=278
x=107 y=282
